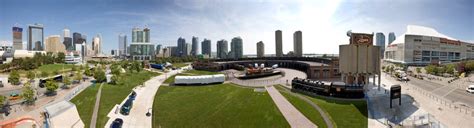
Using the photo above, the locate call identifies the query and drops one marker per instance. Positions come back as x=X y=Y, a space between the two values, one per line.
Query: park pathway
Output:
x=294 y=117
x=96 y=108
x=324 y=115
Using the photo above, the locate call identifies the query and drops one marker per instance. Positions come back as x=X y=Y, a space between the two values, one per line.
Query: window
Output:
x=425 y=53
x=417 y=40
x=425 y=59
x=434 y=53
x=443 y=54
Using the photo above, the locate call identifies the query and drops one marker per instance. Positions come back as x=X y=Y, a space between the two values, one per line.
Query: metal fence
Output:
x=422 y=120
x=76 y=91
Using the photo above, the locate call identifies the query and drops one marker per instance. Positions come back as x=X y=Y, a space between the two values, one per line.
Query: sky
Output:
x=324 y=23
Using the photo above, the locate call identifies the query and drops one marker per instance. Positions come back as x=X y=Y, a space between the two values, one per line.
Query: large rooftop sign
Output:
x=361 y=39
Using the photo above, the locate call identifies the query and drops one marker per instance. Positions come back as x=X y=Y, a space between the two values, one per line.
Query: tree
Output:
x=66 y=80
x=73 y=68
x=81 y=67
x=450 y=68
x=3 y=100
x=60 y=57
x=28 y=93
x=78 y=76
x=136 y=66
x=51 y=86
x=115 y=79
x=87 y=71
x=99 y=76
x=14 y=77
x=44 y=74
x=30 y=75
x=431 y=69
x=418 y=70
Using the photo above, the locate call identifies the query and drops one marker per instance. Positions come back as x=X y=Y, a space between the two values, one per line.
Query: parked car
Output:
x=133 y=95
x=117 y=123
x=470 y=89
x=126 y=107
x=14 y=96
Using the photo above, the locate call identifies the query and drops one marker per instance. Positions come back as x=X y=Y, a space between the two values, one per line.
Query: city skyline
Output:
x=322 y=22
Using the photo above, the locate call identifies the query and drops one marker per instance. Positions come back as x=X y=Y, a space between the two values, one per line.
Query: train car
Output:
x=335 y=89
x=157 y=66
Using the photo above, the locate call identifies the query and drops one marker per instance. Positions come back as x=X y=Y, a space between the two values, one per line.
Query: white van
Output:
x=470 y=89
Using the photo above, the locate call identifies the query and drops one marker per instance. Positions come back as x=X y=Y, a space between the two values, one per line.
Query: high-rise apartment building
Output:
x=206 y=47
x=222 y=49
x=141 y=48
x=122 y=51
x=188 y=48
x=158 y=49
x=236 y=48
x=17 y=38
x=278 y=43
x=298 y=43
x=380 y=41
x=391 y=37
x=260 y=49
x=53 y=44
x=35 y=37
x=195 y=45
x=182 y=51
x=66 y=33
x=97 y=45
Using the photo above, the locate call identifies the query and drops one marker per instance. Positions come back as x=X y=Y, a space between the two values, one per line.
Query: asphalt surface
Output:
x=449 y=92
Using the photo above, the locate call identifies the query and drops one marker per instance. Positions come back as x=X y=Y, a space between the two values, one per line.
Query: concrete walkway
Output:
x=96 y=108
x=294 y=117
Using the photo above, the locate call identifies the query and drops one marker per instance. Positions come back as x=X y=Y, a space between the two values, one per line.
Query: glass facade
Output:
x=140 y=51
x=35 y=38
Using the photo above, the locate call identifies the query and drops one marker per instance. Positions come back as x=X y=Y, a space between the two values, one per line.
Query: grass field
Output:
x=222 y=105
x=179 y=65
x=190 y=73
x=115 y=94
x=344 y=114
x=309 y=111
x=50 y=68
x=84 y=102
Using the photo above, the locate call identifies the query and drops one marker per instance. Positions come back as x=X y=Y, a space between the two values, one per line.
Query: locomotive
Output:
x=325 y=88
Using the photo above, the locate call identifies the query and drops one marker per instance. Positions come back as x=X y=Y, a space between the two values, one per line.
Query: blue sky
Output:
x=323 y=23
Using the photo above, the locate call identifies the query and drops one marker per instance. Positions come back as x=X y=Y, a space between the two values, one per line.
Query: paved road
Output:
x=294 y=117
x=449 y=92
x=142 y=104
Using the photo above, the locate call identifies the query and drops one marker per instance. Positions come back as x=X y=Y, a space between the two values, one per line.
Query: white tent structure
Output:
x=199 y=80
x=64 y=114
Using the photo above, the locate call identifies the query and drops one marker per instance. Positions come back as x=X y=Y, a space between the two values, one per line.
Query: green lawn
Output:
x=84 y=102
x=222 y=105
x=170 y=79
x=309 y=111
x=50 y=68
x=344 y=113
x=179 y=65
x=115 y=94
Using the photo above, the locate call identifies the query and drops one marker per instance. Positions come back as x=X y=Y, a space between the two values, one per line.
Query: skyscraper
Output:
x=158 y=49
x=35 y=37
x=236 y=47
x=17 y=38
x=67 y=40
x=53 y=44
x=122 y=44
x=391 y=37
x=298 y=43
x=380 y=41
x=222 y=49
x=181 y=47
x=260 y=49
x=97 y=45
x=188 y=48
x=141 y=48
x=278 y=43
x=195 y=45
x=206 y=47
x=66 y=33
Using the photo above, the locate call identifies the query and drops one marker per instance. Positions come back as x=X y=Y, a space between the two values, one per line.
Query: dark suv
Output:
x=126 y=107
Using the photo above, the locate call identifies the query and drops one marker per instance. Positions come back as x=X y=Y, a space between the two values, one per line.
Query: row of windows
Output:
x=437 y=53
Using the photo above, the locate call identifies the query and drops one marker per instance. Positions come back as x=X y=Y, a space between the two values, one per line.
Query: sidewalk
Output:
x=421 y=101
x=294 y=117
